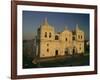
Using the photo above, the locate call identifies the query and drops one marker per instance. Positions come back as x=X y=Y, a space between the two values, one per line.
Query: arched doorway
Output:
x=56 y=52
x=66 y=51
x=74 y=50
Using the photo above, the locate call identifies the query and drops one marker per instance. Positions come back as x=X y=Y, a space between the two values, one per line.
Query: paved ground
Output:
x=60 y=61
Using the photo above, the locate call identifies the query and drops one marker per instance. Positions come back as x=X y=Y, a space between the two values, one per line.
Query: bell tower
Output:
x=46 y=39
x=79 y=40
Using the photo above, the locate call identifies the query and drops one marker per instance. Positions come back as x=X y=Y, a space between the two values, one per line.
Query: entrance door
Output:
x=74 y=51
x=66 y=51
x=56 y=53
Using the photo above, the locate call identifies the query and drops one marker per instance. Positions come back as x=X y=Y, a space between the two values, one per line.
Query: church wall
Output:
x=47 y=49
x=59 y=44
x=80 y=47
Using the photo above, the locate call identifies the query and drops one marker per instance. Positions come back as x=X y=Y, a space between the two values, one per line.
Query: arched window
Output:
x=78 y=36
x=47 y=50
x=66 y=39
x=47 y=44
x=45 y=34
x=50 y=35
x=56 y=37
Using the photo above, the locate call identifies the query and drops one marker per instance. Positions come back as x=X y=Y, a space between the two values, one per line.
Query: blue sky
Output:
x=32 y=20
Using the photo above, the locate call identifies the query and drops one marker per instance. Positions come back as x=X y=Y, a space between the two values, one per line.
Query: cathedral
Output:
x=50 y=43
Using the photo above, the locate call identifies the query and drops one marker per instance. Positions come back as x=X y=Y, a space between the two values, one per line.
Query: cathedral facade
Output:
x=51 y=43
